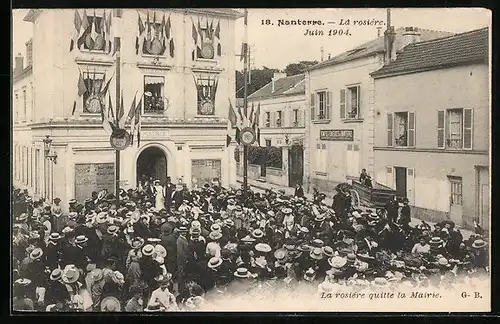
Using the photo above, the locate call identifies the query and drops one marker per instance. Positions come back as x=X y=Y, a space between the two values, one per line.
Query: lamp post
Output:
x=52 y=157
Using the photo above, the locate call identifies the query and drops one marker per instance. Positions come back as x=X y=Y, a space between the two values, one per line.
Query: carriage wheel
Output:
x=355 y=201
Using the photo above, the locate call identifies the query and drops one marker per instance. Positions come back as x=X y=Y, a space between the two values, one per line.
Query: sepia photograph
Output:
x=250 y=160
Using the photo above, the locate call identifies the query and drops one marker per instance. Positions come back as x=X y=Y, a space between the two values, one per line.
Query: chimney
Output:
x=276 y=76
x=18 y=68
x=410 y=35
x=389 y=37
x=322 y=53
x=29 y=53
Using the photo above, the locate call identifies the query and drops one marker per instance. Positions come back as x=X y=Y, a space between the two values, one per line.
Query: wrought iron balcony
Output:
x=454 y=143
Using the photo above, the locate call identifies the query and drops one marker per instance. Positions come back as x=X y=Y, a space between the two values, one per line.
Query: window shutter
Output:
x=390 y=132
x=312 y=107
x=359 y=102
x=468 y=122
x=440 y=129
x=342 y=103
x=328 y=104
x=411 y=129
x=410 y=186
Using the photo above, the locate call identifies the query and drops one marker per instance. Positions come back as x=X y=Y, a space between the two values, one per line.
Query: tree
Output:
x=259 y=78
x=298 y=68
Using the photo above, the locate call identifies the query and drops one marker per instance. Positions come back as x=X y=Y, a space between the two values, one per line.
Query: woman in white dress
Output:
x=159 y=196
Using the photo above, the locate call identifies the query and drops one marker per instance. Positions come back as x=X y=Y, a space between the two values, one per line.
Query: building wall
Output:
x=79 y=138
x=285 y=104
x=334 y=78
x=424 y=94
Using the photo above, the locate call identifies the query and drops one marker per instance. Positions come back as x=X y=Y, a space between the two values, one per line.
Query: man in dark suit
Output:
x=299 y=192
x=169 y=191
x=182 y=258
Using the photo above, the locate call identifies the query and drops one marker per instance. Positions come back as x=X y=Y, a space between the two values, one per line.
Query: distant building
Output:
x=432 y=127
x=340 y=97
x=188 y=79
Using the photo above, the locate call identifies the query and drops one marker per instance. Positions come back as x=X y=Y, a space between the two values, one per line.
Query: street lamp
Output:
x=47 y=147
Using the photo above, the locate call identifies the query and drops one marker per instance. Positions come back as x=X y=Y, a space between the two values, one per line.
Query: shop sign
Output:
x=336 y=134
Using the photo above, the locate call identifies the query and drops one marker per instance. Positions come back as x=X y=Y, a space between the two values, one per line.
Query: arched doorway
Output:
x=152 y=164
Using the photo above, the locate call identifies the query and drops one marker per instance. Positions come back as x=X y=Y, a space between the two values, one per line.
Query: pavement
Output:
x=262 y=186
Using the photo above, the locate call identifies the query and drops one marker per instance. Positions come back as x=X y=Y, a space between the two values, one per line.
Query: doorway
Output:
x=295 y=165
x=400 y=181
x=152 y=164
x=483 y=196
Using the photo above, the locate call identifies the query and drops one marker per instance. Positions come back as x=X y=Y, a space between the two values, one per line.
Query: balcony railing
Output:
x=454 y=143
x=401 y=142
x=353 y=114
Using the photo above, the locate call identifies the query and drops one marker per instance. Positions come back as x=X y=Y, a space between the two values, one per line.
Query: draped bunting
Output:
x=155 y=36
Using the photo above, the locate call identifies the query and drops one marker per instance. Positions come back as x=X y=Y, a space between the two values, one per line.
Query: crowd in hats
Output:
x=154 y=255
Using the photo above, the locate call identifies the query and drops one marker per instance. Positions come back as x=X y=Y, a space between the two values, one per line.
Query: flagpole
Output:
x=117 y=121
x=245 y=102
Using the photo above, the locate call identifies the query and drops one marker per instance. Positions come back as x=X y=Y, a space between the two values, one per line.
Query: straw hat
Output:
x=248 y=239
x=316 y=253
x=148 y=249
x=81 y=239
x=257 y=233
x=160 y=251
x=195 y=224
x=337 y=262
x=309 y=275
x=214 y=262
x=110 y=304
x=479 y=244
x=54 y=236
x=56 y=274
x=327 y=251
x=96 y=274
x=286 y=211
x=101 y=218
x=163 y=279
x=320 y=217
x=228 y=222
x=154 y=308
x=70 y=275
x=263 y=247
x=22 y=217
x=436 y=241
x=22 y=282
x=380 y=282
x=317 y=243
x=112 y=230
x=215 y=235
x=242 y=273
x=137 y=242
x=36 y=254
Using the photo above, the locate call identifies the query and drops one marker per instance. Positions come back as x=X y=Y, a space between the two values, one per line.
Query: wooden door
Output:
x=401 y=181
x=295 y=165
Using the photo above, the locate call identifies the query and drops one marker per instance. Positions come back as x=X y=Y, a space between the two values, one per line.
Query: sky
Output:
x=276 y=46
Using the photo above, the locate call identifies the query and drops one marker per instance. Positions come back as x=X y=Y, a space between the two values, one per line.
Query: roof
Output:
x=291 y=85
x=377 y=46
x=455 y=50
x=26 y=71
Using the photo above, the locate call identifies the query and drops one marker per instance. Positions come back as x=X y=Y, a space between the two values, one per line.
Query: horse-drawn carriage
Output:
x=370 y=197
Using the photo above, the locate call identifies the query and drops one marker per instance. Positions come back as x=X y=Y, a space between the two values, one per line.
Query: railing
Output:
x=454 y=143
x=401 y=142
x=353 y=114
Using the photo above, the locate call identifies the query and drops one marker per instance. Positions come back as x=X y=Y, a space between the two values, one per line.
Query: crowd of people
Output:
x=168 y=248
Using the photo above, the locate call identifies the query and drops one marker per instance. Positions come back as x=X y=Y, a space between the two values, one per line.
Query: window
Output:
x=295 y=118
x=456 y=190
x=155 y=42
x=321 y=105
x=16 y=107
x=268 y=119
x=91 y=100
x=350 y=102
x=321 y=157
x=206 y=85
x=32 y=102
x=455 y=128
x=154 y=104
x=279 y=119
x=37 y=173
x=95 y=34
x=268 y=142
x=208 y=42
x=25 y=104
x=401 y=129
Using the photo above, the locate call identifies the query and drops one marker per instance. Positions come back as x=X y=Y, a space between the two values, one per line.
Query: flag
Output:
x=131 y=112
x=244 y=47
x=82 y=87
x=194 y=34
x=108 y=34
x=111 y=113
x=240 y=114
x=83 y=29
x=256 y=121
x=168 y=26
x=108 y=126
x=104 y=90
x=121 y=112
x=77 y=21
x=139 y=131
x=217 y=30
x=232 y=124
x=93 y=32
x=251 y=114
x=199 y=30
x=135 y=119
x=141 y=31
x=117 y=45
x=172 y=48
